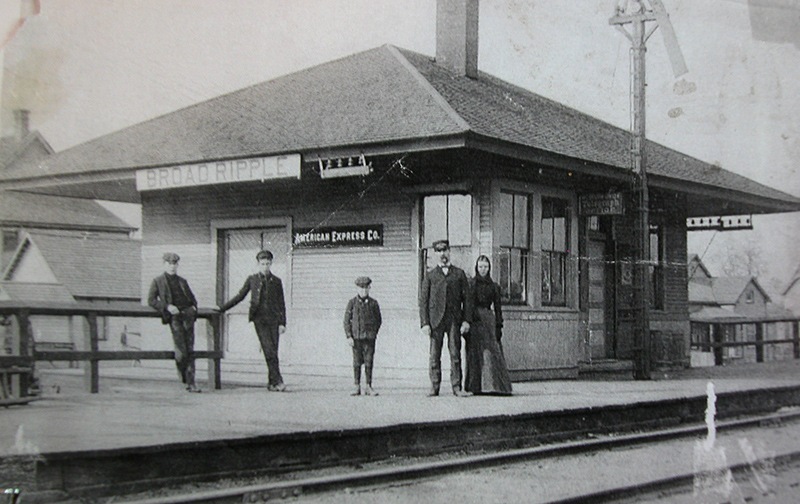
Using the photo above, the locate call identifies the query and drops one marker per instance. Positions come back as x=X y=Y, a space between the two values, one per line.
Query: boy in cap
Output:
x=267 y=313
x=362 y=320
x=171 y=296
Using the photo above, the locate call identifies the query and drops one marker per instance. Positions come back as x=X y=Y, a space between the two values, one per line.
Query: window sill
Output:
x=543 y=309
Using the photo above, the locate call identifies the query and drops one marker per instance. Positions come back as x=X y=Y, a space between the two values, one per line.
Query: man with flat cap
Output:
x=445 y=308
x=267 y=313
x=171 y=296
x=362 y=320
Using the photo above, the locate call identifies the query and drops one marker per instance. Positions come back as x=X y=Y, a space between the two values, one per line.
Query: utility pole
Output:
x=636 y=14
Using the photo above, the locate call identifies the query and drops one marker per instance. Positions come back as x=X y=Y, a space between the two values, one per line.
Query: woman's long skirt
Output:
x=486 y=365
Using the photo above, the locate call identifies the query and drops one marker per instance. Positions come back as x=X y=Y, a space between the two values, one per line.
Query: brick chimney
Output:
x=457 y=36
x=21 y=123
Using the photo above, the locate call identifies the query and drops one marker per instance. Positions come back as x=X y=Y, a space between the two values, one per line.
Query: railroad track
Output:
x=277 y=491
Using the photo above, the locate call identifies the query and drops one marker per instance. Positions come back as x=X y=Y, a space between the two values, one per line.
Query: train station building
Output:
x=355 y=166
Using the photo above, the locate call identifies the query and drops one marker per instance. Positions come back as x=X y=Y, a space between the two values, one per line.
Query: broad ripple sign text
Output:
x=219 y=172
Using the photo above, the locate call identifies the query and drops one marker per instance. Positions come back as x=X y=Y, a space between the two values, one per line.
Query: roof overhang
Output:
x=702 y=200
x=120 y=184
x=707 y=201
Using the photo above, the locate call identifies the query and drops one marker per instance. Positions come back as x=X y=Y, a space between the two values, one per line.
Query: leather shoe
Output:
x=356 y=391
x=368 y=390
x=460 y=393
x=433 y=392
x=193 y=388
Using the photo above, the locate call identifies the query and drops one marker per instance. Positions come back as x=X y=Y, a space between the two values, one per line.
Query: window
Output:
x=555 y=251
x=513 y=239
x=656 y=267
x=749 y=297
x=448 y=217
x=10 y=240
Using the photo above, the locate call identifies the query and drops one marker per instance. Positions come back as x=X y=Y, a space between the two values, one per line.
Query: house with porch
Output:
x=53 y=267
x=734 y=310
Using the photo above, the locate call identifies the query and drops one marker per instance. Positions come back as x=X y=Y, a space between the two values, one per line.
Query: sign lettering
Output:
x=219 y=172
x=601 y=204
x=343 y=236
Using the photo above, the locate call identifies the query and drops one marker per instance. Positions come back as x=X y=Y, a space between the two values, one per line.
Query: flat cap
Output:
x=441 y=245
x=264 y=254
x=363 y=281
x=171 y=257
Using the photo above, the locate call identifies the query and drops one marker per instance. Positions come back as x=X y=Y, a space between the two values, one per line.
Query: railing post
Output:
x=26 y=348
x=92 y=370
x=215 y=364
x=759 y=342
x=717 y=338
x=796 y=338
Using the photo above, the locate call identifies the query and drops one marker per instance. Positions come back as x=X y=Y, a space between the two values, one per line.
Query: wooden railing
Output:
x=18 y=367
x=759 y=343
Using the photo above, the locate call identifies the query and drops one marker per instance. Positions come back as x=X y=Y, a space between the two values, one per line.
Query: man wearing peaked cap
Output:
x=171 y=296
x=362 y=320
x=445 y=307
x=440 y=245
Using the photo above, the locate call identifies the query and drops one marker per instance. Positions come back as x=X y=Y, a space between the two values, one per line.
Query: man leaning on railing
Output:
x=171 y=296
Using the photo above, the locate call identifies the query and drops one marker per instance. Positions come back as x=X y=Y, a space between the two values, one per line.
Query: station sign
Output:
x=370 y=235
x=219 y=172
x=601 y=204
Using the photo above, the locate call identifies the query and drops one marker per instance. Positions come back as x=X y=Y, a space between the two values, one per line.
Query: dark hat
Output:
x=363 y=281
x=441 y=245
x=171 y=257
x=264 y=254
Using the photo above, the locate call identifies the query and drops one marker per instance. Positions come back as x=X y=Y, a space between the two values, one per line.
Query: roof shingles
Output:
x=380 y=95
x=40 y=210
x=93 y=266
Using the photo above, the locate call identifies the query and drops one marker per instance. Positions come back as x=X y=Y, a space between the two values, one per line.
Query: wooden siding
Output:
x=541 y=340
x=183 y=217
x=321 y=280
x=483 y=198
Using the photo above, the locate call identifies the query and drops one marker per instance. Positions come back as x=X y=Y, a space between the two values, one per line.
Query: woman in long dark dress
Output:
x=486 y=365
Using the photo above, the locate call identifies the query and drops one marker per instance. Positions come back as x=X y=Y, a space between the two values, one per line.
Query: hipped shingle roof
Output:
x=383 y=95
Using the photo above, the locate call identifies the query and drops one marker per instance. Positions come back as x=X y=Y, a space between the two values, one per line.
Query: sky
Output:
x=88 y=68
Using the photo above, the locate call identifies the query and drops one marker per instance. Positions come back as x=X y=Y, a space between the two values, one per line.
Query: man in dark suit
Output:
x=445 y=307
x=171 y=296
x=267 y=313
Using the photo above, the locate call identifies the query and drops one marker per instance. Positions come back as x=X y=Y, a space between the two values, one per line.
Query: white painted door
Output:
x=241 y=246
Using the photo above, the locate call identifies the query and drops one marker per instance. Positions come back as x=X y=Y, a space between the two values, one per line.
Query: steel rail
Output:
x=269 y=492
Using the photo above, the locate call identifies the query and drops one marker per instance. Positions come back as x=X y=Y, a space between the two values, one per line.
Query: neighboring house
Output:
x=64 y=249
x=791 y=294
x=357 y=165
x=736 y=308
x=20 y=210
x=67 y=267
x=24 y=145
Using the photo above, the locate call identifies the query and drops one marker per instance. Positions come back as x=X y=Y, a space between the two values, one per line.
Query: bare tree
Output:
x=746 y=259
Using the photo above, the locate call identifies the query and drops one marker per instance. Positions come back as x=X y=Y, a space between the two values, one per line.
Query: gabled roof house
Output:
x=56 y=267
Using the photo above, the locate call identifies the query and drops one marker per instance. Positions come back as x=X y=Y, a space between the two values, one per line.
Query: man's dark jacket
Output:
x=160 y=296
x=440 y=291
x=273 y=294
